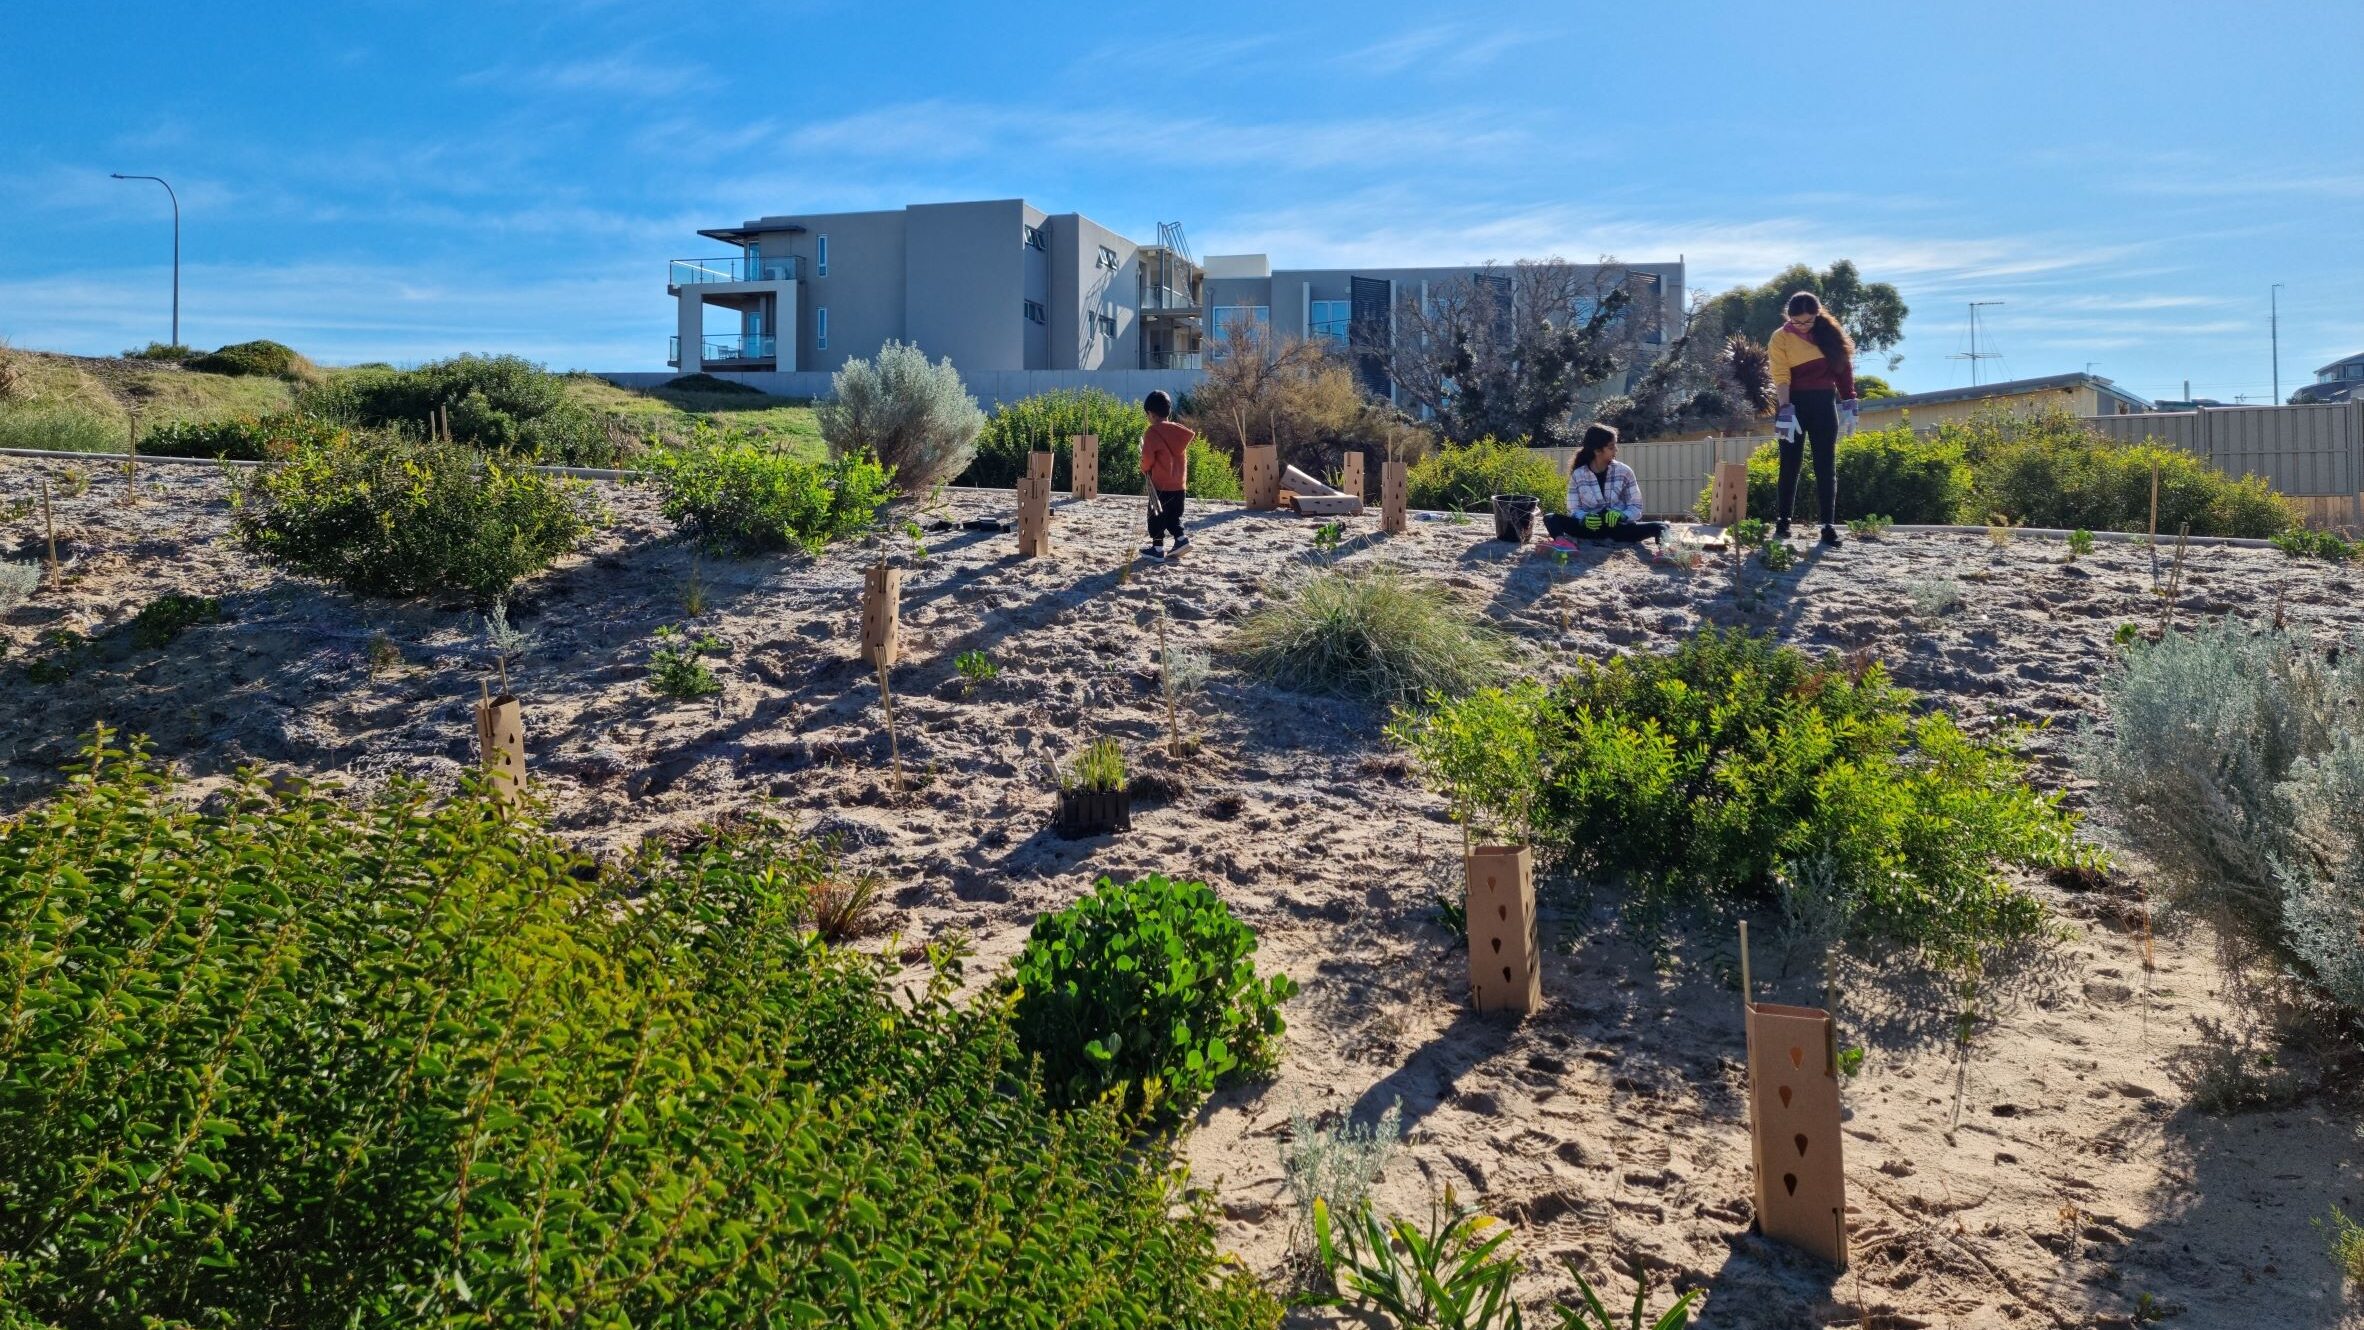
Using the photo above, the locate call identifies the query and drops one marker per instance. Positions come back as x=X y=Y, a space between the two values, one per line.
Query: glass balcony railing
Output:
x=733 y=268
x=749 y=346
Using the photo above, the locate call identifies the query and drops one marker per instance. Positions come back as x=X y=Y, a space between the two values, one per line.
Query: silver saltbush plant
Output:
x=2230 y=761
x=19 y=579
x=918 y=419
x=1337 y=1165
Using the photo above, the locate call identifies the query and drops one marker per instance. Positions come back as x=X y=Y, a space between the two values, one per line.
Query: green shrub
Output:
x=161 y=621
x=245 y=438
x=1149 y=989
x=159 y=351
x=1367 y=633
x=58 y=427
x=676 y=668
x=2300 y=543
x=505 y=403
x=1907 y=478
x=1466 y=477
x=1213 y=475
x=2047 y=469
x=1047 y=420
x=265 y=359
x=915 y=418
x=391 y=517
x=736 y=497
x=416 y=1063
x=1735 y=771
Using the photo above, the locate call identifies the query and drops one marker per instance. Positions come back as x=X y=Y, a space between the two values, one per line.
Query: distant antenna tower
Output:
x=1974 y=355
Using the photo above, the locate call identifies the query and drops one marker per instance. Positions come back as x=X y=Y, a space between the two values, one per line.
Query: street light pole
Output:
x=2274 y=293
x=176 y=246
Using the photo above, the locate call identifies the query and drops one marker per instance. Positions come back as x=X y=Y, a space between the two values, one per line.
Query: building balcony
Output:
x=1171 y=360
x=729 y=351
x=732 y=268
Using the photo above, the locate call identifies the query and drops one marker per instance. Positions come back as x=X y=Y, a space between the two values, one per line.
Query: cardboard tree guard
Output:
x=1394 y=482
x=1259 y=475
x=1038 y=464
x=1728 y=499
x=1350 y=473
x=1793 y=1115
x=1034 y=516
x=500 y=744
x=1505 y=964
x=882 y=615
x=1083 y=465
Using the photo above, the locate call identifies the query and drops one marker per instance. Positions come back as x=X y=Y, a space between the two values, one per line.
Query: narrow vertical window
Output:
x=821 y=328
x=821 y=257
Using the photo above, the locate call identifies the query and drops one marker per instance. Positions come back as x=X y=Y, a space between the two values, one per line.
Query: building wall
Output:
x=1082 y=290
x=989 y=387
x=863 y=291
x=965 y=283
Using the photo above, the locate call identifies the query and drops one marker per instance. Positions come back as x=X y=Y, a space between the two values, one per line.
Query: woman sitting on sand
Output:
x=1604 y=498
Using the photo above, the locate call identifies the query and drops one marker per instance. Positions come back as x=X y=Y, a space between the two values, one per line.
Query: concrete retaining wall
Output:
x=988 y=386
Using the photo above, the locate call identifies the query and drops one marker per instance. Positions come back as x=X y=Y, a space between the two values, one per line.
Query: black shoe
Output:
x=1153 y=551
x=1181 y=543
x=1781 y=530
x=1830 y=536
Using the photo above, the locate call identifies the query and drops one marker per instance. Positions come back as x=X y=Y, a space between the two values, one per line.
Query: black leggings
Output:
x=1572 y=528
x=1818 y=412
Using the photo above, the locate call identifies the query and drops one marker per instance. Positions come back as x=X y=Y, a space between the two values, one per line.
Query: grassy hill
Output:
x=87 y=403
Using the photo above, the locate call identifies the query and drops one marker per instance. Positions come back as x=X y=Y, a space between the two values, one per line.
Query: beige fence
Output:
x=2312 y=454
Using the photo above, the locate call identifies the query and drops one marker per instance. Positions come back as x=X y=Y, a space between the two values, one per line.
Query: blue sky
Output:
x=386 y=180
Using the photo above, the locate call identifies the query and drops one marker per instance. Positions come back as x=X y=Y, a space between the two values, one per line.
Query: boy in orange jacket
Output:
x=1165 y=462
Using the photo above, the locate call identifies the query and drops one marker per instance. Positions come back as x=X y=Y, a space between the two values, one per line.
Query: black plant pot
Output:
x=1514 y=517
x=1093 y=812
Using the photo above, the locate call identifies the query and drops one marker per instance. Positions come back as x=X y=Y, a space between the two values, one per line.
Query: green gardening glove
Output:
x=1612 y=517
x=1593 y=523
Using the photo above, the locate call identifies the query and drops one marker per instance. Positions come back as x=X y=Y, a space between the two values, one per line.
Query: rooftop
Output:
x=2009 y=388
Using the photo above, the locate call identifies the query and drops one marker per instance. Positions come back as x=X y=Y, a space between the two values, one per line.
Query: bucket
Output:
x=1514 y=517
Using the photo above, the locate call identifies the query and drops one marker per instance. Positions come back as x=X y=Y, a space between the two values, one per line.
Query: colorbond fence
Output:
x=2313 y=454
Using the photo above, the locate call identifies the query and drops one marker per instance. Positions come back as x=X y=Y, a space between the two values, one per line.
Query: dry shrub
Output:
x=1291 y=391
x=12 y=375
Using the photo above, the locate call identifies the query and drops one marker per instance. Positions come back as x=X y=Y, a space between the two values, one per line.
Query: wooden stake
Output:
x=49 y=520
x=131 y=460
x=886 y=699
x=1744 y=978
x=1165 y=670
x=2154 y=503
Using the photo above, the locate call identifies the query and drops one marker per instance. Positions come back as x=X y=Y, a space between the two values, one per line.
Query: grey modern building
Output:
x=997 y=285
x=1002 y=286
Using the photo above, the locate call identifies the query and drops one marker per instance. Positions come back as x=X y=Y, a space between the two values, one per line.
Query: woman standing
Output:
x=1814 y=380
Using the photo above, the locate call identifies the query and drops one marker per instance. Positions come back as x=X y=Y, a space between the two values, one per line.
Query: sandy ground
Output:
x=2051 y=1176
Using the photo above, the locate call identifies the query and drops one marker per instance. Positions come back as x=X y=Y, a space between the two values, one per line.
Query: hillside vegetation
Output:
x=77 y=403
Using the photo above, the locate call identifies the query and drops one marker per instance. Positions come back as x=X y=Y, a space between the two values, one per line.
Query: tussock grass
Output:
x=1369 y=633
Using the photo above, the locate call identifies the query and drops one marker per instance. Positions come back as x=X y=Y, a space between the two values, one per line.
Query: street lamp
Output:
x=176 y=246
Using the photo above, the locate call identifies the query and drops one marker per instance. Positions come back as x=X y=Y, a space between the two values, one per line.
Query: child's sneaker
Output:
x=1181 y=543
x=1153 y=551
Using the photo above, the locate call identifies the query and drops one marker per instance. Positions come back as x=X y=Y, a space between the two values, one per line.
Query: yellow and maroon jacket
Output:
x=1800 y=364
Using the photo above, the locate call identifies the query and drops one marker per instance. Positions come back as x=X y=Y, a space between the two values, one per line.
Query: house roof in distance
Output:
x=2010 y=388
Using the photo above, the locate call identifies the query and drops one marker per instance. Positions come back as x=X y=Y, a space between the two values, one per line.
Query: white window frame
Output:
x=821 y=255
x=821 y=328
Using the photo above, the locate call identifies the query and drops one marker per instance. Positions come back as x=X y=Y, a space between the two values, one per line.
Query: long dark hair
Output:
x=1596 y=437
x=1826 y=332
